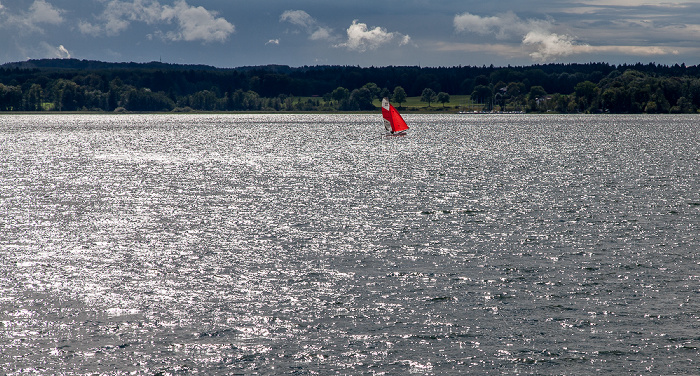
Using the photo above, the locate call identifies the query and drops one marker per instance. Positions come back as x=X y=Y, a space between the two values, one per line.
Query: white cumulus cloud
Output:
x=194 y=23
x=362 y=38
x=537 y=34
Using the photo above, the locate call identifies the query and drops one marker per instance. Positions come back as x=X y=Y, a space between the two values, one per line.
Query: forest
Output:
x=81 y=85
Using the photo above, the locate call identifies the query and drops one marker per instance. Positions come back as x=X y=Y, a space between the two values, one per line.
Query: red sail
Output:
x=397 y=121
x=392 y=119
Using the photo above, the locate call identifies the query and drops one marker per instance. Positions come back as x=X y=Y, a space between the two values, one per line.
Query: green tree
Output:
x=482 y=94
x=385 y=93
x=361 y=99
x=287 y=102
x=560 y=103
x=10 y=98
x=146 y=100
x=340 y=94
x=651 y=108
x=428 y=95
x=204 y=100
x=481 y=80
x=252 y=101
x=116 y=89
x=374 y=90
x=112 y=100
x=514 y=89
x=399 y=95
x=66 y=95
x=537 y=97
x=327 y=97
x=537 y=92
x=586 y=92
x=94 y=100
x=694 y=92
x=443 y=98
x=662 y=105
x=683 y=106
x=33 y=98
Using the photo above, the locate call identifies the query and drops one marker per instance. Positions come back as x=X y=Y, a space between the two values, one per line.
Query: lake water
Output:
x=313 y=244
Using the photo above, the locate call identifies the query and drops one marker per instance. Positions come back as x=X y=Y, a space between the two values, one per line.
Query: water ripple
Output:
x=270 y=244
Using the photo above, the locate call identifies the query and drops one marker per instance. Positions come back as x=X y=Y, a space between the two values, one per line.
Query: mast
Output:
x=386 y=114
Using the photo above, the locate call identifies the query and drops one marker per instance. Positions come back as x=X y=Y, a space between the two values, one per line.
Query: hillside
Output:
x=71 y=84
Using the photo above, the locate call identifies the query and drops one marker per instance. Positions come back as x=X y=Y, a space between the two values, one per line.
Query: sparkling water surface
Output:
x=313 y=244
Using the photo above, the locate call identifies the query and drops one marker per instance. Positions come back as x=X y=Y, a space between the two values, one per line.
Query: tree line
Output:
x=80 y=85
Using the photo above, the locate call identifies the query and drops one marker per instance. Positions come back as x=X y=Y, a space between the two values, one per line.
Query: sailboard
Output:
x=393 y=122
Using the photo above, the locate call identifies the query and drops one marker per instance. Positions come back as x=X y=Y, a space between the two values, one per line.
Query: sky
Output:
x=233 y=33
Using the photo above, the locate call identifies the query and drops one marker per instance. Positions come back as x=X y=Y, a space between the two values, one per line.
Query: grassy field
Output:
x=413 y=104
x=456 y=103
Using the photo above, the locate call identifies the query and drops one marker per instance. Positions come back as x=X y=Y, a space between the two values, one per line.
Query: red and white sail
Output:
x=393 y=122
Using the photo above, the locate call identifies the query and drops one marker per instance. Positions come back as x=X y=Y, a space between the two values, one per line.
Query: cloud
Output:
x=321 y=34
x=361 y=38
x=273 y=41
x=498 y=49
x=630 y=50
x=63 y=52
x=50 y=51
x=536 y=33
x=197 y=23
x=507 y=51
x=193 y=23
x=88 y=28
x=299 y=18
x=312 y=27
x=549 y=45
x=500 y=26
x=40 y=12
x=619 y=3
